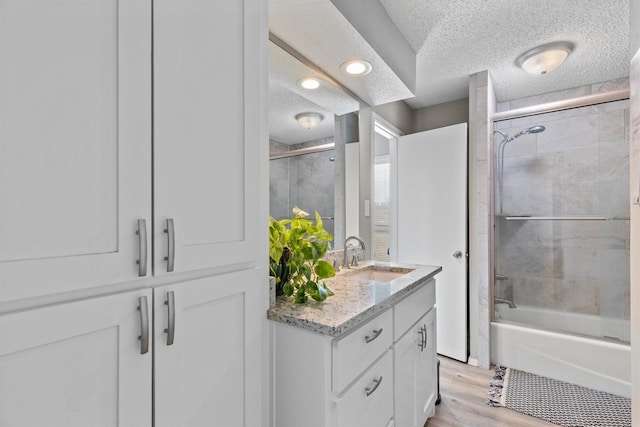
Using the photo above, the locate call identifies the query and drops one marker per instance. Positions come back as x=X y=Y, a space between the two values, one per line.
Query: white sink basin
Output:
x=378 y=274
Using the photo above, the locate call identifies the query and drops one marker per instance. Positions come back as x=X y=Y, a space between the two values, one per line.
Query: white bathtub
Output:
x=594 y=363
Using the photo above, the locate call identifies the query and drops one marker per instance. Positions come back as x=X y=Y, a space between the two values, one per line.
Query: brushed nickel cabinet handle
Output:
x=425 y=335
x=171 y=310
x=171 y=245
x=142 y=247
x=376 y=383
x=376 y=334
x=144 y=324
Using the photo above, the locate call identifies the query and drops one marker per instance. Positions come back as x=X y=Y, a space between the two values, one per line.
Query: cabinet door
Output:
x=426 y=369
x=406 y=351
x=207 y=104
x=416 y=373
x=75 y=138
x=76 y=364
x=208 y=371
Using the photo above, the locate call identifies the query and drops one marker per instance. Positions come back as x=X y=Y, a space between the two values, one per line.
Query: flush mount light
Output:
x=542 y=59
x=309 y=83
x=309 y=119
x=356 y=67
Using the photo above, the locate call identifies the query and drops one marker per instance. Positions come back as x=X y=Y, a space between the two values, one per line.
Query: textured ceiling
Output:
x=287 y=98
x=453 y=39
x=456 y=38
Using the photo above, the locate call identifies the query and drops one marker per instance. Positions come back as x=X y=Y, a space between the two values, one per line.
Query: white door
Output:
x=207 y=351
x=207 y=86
x=75 y=131
x=432 y=223
x=77 y=364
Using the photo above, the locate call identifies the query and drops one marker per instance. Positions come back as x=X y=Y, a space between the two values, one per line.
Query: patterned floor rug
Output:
x=557 y=402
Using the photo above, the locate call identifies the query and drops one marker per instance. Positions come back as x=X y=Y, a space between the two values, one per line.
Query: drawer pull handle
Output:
x=376 y=383
x=376 y=334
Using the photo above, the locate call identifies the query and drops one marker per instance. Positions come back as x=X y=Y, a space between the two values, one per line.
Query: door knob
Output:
x=457 y=254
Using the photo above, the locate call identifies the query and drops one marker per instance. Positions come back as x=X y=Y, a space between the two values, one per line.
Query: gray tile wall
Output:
x=305 y=181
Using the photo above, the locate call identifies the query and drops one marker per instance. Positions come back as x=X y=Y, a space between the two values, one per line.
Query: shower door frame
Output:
x=548 y=107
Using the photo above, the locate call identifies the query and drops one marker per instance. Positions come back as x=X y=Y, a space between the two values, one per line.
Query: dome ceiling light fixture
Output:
x=544 y=58
x=356 y=67
x=309 y=83
x=309 y=119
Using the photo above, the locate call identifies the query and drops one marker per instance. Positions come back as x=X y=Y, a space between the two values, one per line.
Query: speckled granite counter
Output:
x=354 y=302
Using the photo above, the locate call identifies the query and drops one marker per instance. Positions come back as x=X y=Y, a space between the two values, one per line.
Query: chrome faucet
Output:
x=345 y=261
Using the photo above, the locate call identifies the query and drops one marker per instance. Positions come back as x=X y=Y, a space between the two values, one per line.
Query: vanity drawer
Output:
x=413 y=307
x=369 y=401
x=353 y=353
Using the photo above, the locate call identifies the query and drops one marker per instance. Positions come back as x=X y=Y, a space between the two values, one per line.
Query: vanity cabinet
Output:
x=343 y=381
x=382 y=372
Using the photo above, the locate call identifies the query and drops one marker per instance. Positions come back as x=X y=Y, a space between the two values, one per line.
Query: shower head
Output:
x=533 y=129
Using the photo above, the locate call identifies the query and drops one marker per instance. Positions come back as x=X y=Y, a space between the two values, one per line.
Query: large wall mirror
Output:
x=308 y=130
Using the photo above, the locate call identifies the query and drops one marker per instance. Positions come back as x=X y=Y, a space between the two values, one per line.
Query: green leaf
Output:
x=311 y=287
x=287 y=289
x=320 y=294
x=300 y=296
x=324 y=270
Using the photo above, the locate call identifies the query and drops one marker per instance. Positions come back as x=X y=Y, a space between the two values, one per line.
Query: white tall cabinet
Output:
x=131 y=194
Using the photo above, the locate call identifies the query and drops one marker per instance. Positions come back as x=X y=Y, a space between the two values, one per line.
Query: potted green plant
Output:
x=296 y=248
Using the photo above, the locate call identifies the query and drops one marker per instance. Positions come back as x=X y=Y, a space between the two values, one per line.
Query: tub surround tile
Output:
x=568 y=134
x=614 y=160
x=354 y=302
x=611 y=125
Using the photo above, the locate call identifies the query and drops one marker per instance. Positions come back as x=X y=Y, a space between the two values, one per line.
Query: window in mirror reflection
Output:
x=383 y=193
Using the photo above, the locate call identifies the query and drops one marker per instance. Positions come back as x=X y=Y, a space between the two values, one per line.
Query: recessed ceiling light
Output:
x=544 y=58
x=356 y=67
x=309 y=83
x=309 y=119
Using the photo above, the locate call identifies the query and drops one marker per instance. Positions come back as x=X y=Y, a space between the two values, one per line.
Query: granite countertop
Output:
x=355 y=301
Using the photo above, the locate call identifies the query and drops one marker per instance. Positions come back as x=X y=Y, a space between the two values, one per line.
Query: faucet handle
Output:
x=336 y=265
x=354 y=260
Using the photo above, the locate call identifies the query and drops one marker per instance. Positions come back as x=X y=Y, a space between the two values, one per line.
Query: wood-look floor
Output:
x=463 y=389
